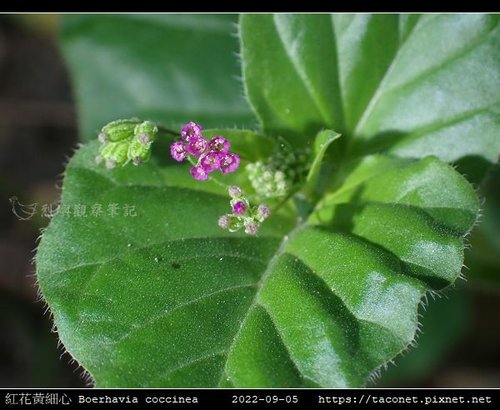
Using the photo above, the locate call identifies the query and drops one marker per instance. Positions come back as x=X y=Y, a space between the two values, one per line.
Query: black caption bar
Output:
x=89 y=6
x=251 y=398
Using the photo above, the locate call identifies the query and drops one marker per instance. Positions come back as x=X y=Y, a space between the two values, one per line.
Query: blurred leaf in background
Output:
x=168 y=68
x=483 y=257
x=37 y=132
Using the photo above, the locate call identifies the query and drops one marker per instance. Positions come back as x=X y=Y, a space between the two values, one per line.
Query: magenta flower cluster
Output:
x=243 y=215
x=208 y=155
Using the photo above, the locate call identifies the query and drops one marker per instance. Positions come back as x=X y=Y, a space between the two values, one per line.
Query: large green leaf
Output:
x=169 y=68
x=411 y=85
x=166 y=298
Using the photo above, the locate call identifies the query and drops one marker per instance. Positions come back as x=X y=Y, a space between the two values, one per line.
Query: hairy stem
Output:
x=168 y=131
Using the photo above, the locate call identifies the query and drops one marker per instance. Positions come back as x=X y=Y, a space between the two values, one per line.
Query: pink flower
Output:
x=239 y=208
x=191 y=129
x=199 y=173
x=212 y=155
x=178 y=151
x=234 y=191
x=229 y=162
x=210 y=162
x=263 y=212
x=251 y=228
x=219 y=144
x=197 y=146
x=224 y=221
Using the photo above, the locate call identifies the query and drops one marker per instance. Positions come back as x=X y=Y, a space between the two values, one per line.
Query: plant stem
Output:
x=284 y=201
x=221 y=184
x=166 y=130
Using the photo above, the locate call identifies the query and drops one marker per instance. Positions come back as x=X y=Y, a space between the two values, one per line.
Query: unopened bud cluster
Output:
x=275 y=177
x=243 y=215
x=127 y=140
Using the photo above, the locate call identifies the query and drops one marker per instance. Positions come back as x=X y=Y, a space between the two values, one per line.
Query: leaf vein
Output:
x=260 y=284
x=351 y=310
x=176 y=308
x=302 y=75
x=172 y=241
x=378 y=91
x=451 y=59
x=191 y=362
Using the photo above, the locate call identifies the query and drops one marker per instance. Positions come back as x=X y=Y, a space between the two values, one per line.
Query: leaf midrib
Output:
x=260 y=284
x=301 y=74
x=166 y=313
x=378 y=91
x=471 y=47
x=150 y=245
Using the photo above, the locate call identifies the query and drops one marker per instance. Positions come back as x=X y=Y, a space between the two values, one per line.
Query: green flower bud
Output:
x=118 y=130
x=115 y=152
x=234 y=191
x=138 y=149
x=234 y=224
x=267 y=181
x=139 y=152
x=281 y=188
x=279 y=176
x=126 y=140
x=146 y=132
x=251 y=227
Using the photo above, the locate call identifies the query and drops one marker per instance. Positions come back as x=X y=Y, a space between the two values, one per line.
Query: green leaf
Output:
x=166 y=298
x=249 y=145
x=168 y=68
x=156 y=294
x=281 y=56
x=321 y=144
x=410 y=85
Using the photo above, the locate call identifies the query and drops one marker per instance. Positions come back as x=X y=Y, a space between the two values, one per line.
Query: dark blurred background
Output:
x=38 y=132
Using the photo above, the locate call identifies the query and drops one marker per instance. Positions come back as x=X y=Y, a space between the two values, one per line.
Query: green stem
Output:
x=191 y=161
x=221 y=184
x=284 y=201
x=166 y=130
